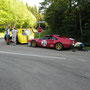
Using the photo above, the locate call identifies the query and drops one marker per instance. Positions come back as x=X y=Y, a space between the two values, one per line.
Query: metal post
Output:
x=39 y=32
x=39 y=24
x=39 y=35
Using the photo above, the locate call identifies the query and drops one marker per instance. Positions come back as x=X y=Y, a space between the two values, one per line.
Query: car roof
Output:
x=51 y=35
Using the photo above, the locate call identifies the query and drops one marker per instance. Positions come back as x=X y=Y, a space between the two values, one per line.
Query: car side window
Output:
x=53 y=38
x=48 y=37
x=45 y=38
x=23 y=32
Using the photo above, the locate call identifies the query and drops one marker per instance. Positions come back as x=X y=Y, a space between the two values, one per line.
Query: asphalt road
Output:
x=27 y=68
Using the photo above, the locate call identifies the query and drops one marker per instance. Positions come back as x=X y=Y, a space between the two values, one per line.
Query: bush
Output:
x=2 y=29
x=43 y=33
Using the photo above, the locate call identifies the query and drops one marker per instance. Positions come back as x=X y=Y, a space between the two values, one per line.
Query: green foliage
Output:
x=69 y=17
x=43 y=33
x=35 y=12
x=88 y=48
x=2 y=30
x=15 y=13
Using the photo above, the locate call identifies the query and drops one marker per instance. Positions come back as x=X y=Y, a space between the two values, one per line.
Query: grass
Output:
x=88 y=48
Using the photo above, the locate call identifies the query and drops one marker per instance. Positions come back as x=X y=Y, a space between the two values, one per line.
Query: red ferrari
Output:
x=52 y=41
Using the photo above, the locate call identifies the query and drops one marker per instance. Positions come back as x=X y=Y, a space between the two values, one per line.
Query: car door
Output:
x=43 y=41
x=51 y=41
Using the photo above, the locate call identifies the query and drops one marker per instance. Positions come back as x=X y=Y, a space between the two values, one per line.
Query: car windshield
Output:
x=59 y=35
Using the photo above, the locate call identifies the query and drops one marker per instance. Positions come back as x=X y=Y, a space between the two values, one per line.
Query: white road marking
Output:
x=81 y=60
x=34 y=55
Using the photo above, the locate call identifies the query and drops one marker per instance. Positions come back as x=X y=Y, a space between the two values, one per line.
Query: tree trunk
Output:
x=21 y=27
x=70 y=4
x=80 y=21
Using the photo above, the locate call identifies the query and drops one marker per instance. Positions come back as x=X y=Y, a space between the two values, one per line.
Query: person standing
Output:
x=14 y=36
x=8 y=35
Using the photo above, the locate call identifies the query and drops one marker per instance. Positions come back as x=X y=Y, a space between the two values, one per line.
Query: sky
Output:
x=32 y=2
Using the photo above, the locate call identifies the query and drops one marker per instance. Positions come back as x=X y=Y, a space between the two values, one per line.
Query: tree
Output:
x=35 y=12
x=15 y=13
x=68 y=17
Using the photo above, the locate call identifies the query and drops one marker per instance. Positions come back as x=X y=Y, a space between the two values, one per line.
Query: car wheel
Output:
x=58 y=46
x=33 y=43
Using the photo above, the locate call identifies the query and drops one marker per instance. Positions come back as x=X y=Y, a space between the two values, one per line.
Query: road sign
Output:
x=41 y=22
x=39 y=29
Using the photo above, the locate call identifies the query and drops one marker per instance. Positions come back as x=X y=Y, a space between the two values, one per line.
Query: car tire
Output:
x=58 y=46
x=33 y=44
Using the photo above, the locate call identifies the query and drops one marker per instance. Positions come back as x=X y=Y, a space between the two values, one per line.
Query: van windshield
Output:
x=28 y=32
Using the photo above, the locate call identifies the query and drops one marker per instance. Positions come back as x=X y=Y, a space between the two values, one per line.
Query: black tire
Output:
x=33 y=44
x=17 y=40
x=58 y=46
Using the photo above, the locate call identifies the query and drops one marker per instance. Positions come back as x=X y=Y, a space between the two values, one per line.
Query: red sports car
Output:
x=52 y=41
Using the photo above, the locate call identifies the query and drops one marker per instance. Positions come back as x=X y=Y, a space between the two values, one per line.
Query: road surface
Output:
x=27 y=68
